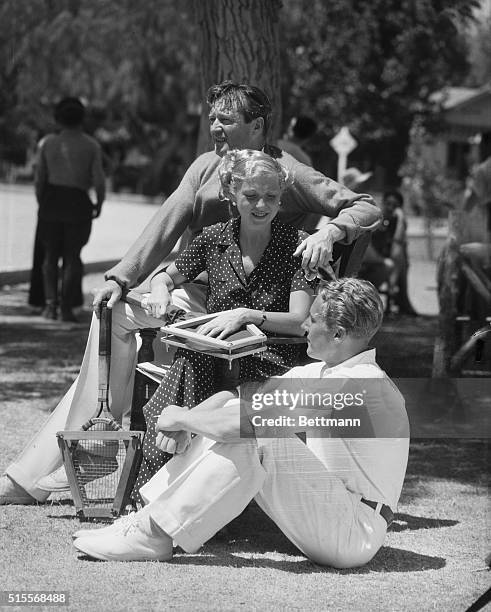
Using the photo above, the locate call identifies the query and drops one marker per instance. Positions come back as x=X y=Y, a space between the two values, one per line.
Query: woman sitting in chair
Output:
x=251 y=269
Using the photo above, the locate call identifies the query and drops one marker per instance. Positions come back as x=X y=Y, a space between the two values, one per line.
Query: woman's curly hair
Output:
x=238 y=165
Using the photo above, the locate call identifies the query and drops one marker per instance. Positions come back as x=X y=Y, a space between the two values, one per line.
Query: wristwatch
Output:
x=263 y=320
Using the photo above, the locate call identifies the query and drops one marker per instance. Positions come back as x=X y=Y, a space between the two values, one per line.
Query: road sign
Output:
x=343 y=143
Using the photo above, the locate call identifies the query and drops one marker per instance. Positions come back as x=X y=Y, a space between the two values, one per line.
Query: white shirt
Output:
x=372 y=467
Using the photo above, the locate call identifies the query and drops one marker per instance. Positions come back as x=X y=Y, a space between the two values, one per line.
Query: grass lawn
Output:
x=433 y=558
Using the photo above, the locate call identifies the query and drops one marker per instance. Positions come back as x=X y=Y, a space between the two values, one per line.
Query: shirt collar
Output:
x=230 y=232
x=367 y=356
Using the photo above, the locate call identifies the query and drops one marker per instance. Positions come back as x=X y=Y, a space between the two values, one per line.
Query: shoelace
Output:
x=127 y=524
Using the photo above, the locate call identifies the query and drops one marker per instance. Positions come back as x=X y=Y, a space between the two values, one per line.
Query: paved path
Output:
x=123 y=218
x=121 y=221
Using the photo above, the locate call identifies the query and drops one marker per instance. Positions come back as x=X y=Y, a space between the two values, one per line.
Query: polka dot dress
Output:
x=194 y=376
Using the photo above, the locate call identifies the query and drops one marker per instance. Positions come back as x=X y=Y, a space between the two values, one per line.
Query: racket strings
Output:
x=98 y=465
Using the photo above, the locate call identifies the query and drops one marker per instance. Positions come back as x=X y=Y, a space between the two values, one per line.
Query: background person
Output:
x=477 y=203
x=239 y=116
x=333 y=497
x=69 y=164
x=386 y=259
x=300 y=131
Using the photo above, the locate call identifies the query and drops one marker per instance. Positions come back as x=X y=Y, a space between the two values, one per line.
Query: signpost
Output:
x=343 y=143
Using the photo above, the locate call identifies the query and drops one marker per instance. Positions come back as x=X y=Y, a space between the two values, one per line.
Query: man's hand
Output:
x=170 y=418
x=316 y=250
x=225 y=324
x=173 y=442
x=155 y=304
x=110 y=291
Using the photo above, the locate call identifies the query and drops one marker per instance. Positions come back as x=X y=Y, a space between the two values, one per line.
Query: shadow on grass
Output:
x=35 y=389
x=52 y=342
x=454 y=460
x=405 y=522
x=387 y=560
x=39 y=359
x=405 y=346
x=254 y=540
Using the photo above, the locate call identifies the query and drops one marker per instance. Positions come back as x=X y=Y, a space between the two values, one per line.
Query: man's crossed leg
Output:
x=199 y=492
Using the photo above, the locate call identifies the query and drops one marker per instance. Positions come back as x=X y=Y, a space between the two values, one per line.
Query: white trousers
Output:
x=41 y=455
x=196 y=494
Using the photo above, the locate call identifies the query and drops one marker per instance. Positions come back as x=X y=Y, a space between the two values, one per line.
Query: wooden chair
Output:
x=347 y=261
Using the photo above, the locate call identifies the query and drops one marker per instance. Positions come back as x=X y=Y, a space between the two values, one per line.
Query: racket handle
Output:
x=104 y=350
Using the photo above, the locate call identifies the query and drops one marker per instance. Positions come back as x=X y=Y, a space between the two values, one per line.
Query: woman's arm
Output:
x=161 y=287
x=288 y=323
x=188 y=265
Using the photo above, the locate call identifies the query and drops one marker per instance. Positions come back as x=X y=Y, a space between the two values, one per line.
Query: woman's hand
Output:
x=226 y=324
x=155 y=304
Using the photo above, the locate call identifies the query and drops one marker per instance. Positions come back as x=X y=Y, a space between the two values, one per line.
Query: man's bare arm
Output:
x=218 y=418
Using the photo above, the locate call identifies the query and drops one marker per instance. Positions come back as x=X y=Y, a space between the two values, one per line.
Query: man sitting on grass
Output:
x=333 y=496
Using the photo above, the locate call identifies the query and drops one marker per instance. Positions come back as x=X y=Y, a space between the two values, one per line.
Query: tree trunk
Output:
x=448 y=290
x=239 y=40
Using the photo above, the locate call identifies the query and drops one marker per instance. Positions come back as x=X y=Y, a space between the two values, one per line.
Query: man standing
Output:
x=69 y=164
x=333 y=497
x=239 y=118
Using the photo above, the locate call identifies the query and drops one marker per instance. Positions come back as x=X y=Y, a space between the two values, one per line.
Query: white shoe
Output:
x=119 y=525
x=130 y=544
x=56 y=481
x=12 y=493
x=90 y=467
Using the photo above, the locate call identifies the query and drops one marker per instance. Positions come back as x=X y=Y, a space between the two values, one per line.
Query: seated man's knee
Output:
x=340 y=560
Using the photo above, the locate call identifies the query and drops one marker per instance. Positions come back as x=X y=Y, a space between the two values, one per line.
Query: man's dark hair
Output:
x=251 y=101
x=303 y=127
x=70 y=112
x=397 y=195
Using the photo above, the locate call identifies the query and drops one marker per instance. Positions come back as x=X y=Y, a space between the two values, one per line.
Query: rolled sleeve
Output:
x=312 y=192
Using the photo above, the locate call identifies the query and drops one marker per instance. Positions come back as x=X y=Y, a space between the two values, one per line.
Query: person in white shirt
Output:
x=332 y=496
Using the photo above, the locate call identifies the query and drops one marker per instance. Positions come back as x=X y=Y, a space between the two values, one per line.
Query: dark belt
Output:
x=385 y=512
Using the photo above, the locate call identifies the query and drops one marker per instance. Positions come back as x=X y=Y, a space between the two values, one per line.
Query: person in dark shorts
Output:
x=69 y=164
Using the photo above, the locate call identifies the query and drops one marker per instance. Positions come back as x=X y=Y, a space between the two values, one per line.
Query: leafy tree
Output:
x=372 y=65
x=426 y=187
x=125 y=58
x=369 y=64
x=480 y=53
